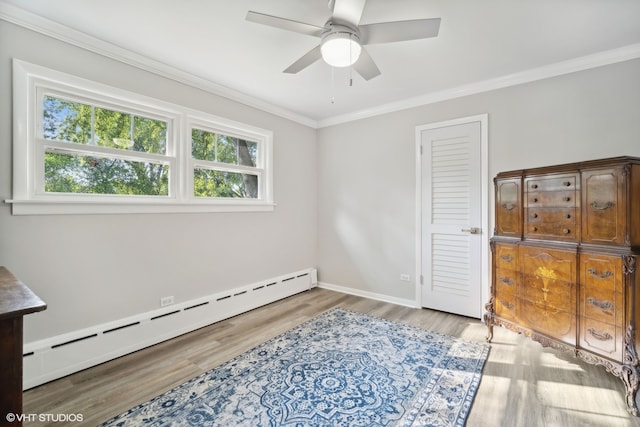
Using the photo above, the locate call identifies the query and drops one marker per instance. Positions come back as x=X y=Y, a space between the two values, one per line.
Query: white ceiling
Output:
x=479 y=41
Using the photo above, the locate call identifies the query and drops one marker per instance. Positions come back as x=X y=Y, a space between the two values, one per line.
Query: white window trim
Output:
x=28 y=79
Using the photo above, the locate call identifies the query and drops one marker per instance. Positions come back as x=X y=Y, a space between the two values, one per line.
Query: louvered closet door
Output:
x=451 y=218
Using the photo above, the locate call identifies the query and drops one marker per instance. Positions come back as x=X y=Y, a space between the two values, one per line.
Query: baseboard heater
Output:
x=56 y=357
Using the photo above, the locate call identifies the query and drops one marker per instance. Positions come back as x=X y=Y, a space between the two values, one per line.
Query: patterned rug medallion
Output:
x=339 y=369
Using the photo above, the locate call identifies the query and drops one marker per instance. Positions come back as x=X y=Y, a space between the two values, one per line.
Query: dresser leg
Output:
x=489 y=332
x=629 y=376
x=488 y=319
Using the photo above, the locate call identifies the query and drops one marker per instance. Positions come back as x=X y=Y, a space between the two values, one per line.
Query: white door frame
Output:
x=484 y=172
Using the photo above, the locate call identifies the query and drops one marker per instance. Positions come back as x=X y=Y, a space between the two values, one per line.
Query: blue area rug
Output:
x=338 y=369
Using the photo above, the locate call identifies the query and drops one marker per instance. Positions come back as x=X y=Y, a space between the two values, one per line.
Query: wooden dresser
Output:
x=565 y=249
x=16 y=301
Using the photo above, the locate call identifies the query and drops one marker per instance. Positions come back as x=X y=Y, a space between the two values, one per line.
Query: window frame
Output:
x=32 y=82
x=201 y=123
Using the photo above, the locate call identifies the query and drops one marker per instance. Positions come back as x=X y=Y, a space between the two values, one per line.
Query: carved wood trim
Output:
x=489 y=317
x=629 y=266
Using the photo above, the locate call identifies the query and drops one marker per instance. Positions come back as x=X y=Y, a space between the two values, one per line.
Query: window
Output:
x=94 y=150
x=82 y=147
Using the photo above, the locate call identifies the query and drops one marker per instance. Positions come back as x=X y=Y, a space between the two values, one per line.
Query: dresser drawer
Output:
x=549 y=321
x=556 y=199
x=554 y=230
x=506 y=256
x=602 y=305
x=601 y=271
x=506 y=281
x=569 y=216
x=553 y=182
x=601 y=338
x=551 y=264
x=505 y=306
x=554 y=294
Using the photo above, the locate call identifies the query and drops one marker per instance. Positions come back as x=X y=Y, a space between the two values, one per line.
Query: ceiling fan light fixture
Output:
x=340 y=49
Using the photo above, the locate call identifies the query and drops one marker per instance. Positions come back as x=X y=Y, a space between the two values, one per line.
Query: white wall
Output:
x=94 y=269
x=366 y=173
x=345 y=194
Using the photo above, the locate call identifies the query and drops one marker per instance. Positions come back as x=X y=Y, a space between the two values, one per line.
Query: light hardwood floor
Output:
x=522 y=384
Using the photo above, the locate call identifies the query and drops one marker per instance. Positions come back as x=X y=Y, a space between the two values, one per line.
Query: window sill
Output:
x=59 y=207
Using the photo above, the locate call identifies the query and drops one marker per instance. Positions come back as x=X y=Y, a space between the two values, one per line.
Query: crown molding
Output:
x=595 y=60
x=47 y=27
x=68 y=35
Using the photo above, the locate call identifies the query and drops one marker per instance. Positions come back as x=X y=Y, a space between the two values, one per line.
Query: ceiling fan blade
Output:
x=348 y=11
x=285 y=24
x=365 y=66
x=309 y=58
x=387 y=32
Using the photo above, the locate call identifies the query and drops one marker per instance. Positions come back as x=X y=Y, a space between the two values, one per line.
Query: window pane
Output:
x=66 y=121
x=211 y=183
x=203 y=145
x=84 y=124
x=226 y=150
x=150 y=135
x=112 y=129
x=71 y=173
x=222 y=148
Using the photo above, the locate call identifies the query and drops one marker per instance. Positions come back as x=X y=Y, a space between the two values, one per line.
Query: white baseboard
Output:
x=55 y=357
x=370 y=295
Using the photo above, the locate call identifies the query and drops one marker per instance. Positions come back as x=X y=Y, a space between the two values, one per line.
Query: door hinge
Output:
x=421 y=279
x=421 y=150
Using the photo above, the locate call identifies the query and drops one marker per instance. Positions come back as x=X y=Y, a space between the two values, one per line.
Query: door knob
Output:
x=472 y=230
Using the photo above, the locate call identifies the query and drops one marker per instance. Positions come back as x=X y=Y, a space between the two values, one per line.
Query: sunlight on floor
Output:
x=569 y=399
x=550 y=360
x=498 y=387
x=543 y=387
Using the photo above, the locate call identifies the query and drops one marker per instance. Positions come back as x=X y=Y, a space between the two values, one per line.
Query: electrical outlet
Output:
x=165 y=301
x=405 y=277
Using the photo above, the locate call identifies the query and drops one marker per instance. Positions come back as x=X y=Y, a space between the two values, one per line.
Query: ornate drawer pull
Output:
x=534 y=228
x=567 y=183
x=599 y=335
x=508 y=206
x=535 y=200
x=602 y=206
x=507 y=281
x=594 y=273
x=568 y=216
x=566 y=231
x=602 y=305
x=567 y=199
x=506 y=258
x=534 y=186
x=507 y=305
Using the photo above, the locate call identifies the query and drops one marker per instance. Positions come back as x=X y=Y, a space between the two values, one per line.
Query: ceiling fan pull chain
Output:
x=333 y=85
x=351 y=61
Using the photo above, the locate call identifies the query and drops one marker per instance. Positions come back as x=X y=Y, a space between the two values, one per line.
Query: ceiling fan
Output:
x=343 y=39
